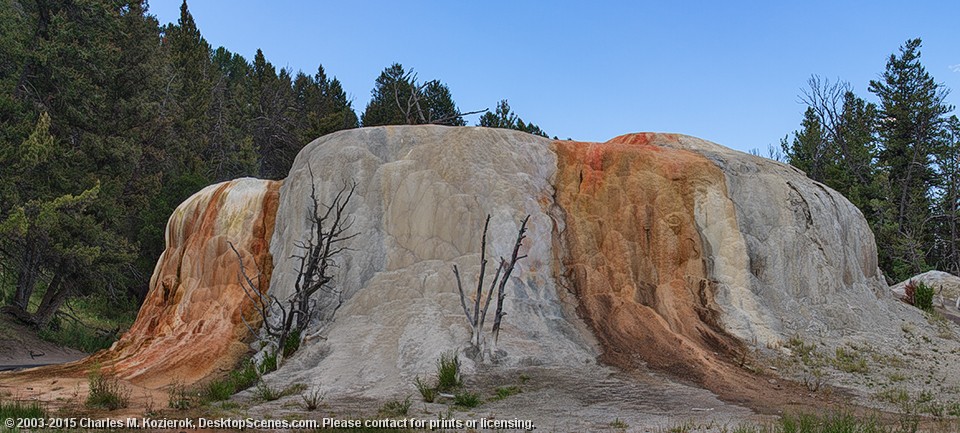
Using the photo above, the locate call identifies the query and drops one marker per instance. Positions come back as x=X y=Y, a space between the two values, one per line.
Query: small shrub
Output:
x=923 y=297
x=466 y=399
x=618 y=423
x=245 y=377
x=448 y=372
x=429 y=393
x=919 y=295
x=395 y=407
x=106 y=392
x=266 y=392
x=178 y=397
x=311 y=400
x=219 y=390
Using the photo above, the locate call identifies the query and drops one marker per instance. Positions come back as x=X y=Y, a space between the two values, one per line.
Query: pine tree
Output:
x=398 y=99
x=911 y=122
x=504 y=117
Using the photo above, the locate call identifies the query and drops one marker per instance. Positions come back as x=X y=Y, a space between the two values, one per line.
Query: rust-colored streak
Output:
x=190 y=325
x=636 y=256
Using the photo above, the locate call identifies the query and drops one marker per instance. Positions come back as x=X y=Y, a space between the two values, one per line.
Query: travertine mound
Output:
x=190 y=322
x=650 y=249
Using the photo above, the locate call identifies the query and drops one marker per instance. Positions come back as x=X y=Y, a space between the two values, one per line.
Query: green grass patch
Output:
x=506 y=391
x=76 y=336
x=21 y=409
x=238 y=380
x=466 y=399
x=269 y=363
x=448 y=372
x=291 y=344
x=93 y=322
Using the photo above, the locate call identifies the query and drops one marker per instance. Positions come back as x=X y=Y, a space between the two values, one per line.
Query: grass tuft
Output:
x=448 y=372
x=106 y=392
x=429 y=393
x=395 y=408
x=466 y=399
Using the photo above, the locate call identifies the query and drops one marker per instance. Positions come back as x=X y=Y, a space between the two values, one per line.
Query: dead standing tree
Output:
x=328 y=231
x=504 y=270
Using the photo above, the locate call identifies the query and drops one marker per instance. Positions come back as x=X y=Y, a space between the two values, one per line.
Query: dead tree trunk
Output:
x=290 y=317
x=504 y=270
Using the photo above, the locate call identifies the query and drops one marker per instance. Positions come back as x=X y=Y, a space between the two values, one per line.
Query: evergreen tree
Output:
x=911 y=122
x=189 y=56
x=398 y=99
x=947 y=213
x=504 y=117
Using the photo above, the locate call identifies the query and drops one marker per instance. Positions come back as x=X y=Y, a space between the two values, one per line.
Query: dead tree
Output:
x=500 y=278
x=283 y=319
x=413 y=108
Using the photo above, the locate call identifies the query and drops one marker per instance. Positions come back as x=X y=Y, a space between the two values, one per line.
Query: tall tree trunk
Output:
x=56 y=294
x=27 y=274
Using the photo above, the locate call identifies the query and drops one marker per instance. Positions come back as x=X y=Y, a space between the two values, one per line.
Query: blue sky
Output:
x=729 y=72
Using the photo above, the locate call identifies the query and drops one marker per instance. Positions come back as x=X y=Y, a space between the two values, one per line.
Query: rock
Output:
x=945 y=285
x=420 y=206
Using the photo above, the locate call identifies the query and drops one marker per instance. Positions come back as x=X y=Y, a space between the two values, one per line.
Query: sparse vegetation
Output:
x=396 y=407
x=849 y=361
x=429 y=393
x=238 y=380
x=618 y=423
x=265 y=392
x=292 y=343
x=312 y=399
x=506 y=391
x=269 y=363
x=106 y=392
x=466 y=399
x=18 y=409
x=178 y=397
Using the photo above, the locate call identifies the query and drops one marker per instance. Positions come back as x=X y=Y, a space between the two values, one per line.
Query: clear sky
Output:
x=729 y=72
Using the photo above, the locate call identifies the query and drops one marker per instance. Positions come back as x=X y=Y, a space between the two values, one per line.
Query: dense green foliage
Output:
x=898 y=160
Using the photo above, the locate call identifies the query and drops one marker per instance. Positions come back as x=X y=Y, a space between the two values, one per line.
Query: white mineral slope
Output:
x=802 y=261
x=422 y=197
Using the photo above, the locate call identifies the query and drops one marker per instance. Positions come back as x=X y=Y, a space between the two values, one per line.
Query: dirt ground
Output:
x=20 y=346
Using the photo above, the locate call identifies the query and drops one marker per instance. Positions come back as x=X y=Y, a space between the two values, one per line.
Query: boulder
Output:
x=946 y=287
